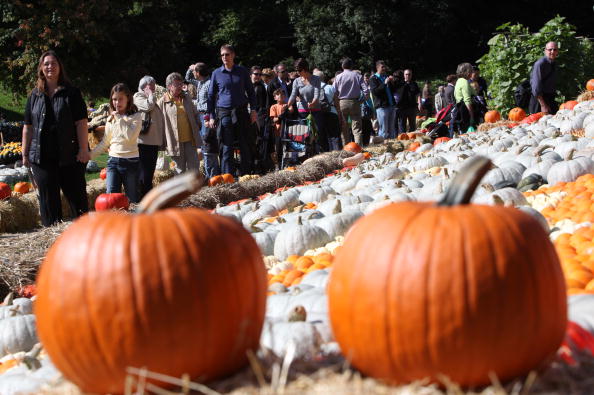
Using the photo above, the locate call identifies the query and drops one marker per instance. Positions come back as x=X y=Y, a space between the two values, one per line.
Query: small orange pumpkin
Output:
x=590 y=85
x=228 y=178
x=103 y=173
x=403 y=136
x=353 y=147
x=22 y=187
x=414 y=145
x=569 y=105
x=492 y=116
x=516 y=114
x=215 y=180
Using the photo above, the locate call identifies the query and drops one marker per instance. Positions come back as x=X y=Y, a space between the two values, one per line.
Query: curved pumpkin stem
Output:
x=170 y=193
x=465 y=182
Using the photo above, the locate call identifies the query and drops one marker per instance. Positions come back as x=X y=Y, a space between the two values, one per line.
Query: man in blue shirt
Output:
x=542 y=80
x=229 y=94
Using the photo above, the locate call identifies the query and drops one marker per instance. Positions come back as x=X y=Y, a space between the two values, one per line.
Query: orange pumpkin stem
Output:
x=170 y=193
x=466 y=181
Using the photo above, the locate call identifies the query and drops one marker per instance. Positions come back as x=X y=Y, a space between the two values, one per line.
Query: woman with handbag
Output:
x=55 y=144
x=152 y=132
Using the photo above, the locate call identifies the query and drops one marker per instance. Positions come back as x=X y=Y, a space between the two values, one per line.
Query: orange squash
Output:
x=228 y=178
x=590 y=85
x=516 y=114
x=569 y=105
x=5 y=191
x=22 y=187
x=352 y=147
x=492 y=116
x=483 y=260
x=215 y=180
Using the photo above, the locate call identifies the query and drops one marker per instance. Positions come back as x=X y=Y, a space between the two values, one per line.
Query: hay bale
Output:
x=312 y=169
x=486 y=126
x=19 y=213
x=585 y=96
x=162 y=175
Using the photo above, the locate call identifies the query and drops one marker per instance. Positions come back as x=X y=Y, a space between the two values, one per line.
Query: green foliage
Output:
x=513 y=52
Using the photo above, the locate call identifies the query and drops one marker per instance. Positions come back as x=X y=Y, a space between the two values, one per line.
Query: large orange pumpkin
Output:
x=413 y=146
x=5 y=191
x=352 y=147
x=215 y=180
x=492 y=116
x=176 y=291
x=516 y=114
x=590 y=85
x=456 y=289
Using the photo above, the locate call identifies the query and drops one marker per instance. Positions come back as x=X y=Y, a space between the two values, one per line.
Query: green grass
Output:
x=12 y=108
x=101 y=162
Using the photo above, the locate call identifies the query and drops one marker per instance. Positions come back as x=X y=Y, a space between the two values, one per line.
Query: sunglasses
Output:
x=257 y=74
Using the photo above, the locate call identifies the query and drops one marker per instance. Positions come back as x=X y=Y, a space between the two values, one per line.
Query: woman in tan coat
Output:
x=182 y=137
x=152 y=135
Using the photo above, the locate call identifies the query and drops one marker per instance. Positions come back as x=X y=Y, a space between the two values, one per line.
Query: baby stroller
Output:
x=439 y=128
x=297 y=141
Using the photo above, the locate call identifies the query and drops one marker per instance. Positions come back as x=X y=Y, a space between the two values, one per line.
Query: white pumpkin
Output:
x=17 y=333
x=569 y=170
x=316 y=194
x=298 y=238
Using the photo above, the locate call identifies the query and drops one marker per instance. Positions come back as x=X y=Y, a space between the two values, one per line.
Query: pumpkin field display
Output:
x=516 y=114
x=108 y=201
x=453 y=289
x=178 y=291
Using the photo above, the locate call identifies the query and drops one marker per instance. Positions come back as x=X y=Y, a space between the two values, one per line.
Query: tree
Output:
x=101 y=41
x=513 y=52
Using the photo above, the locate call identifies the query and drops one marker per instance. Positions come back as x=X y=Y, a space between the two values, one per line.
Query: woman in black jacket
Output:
x=55 y=144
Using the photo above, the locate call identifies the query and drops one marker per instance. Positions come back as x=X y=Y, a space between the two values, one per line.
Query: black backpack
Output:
x=522 y=94
x=324 y=103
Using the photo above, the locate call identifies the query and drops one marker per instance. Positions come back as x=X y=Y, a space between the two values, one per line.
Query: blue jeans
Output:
x=234 y=131
x=123 y=171
x=210 y=149
x=386 y=117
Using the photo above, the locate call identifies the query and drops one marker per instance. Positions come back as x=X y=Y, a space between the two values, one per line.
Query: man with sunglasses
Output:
x=230 y=92
x=543 y=79
x=281 y=81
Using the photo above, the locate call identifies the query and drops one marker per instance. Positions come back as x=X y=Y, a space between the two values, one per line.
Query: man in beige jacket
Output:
x=182 y=129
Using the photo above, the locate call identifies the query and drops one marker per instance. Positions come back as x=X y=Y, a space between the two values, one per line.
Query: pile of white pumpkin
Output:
x=544 y=152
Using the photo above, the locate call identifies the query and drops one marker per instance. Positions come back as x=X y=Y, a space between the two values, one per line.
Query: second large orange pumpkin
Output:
x=458 y=290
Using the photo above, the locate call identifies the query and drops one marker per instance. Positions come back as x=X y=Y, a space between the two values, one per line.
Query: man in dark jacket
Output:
x=381 y=87
x=543 y=79
x=263 y=141
x=449 y=89
x=281 y=81
x=409 y=103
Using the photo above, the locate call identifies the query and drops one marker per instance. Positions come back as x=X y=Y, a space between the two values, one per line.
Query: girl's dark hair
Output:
x=121 y=87
x=62 y=78
x=301 y=65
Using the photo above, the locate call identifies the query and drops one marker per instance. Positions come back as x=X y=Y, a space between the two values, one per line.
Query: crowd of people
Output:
x=213 y=115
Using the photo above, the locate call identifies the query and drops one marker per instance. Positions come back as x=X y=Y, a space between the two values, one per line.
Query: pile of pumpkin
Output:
x=19 y=187
x=10 y=152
